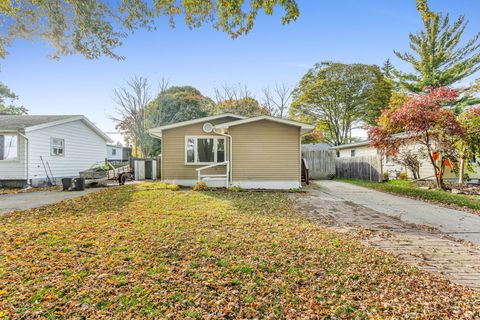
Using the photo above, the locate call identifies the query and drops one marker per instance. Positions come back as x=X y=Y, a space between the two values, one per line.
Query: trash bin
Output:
x=79 y=184
x=66 y=183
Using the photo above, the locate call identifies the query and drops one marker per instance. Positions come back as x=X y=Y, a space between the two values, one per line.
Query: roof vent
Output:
x=207 y=127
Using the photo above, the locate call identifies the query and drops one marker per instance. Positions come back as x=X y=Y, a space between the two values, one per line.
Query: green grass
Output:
x=408 y=189
x=144 y=251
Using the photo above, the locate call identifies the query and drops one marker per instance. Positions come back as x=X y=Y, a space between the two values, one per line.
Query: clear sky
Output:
x=348 y=31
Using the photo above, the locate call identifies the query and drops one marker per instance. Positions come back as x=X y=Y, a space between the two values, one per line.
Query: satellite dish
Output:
x=207 y=127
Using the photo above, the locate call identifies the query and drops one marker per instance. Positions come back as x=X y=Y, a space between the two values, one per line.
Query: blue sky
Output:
x=346 y=31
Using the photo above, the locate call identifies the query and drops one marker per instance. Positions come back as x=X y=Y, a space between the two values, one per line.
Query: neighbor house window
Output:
x=57 y=147
x=388 y=160
x=200 y=150
x=352 y=153
x=114 y=152
x=8 y=147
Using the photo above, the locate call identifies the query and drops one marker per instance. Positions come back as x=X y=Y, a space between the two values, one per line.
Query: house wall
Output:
x=83 y=147
x=15 y=169
x=119 y=153
x=266 y=154
x=174 y=168
x=426 y=169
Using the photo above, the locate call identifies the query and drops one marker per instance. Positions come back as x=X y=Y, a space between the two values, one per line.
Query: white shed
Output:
x=33 y=148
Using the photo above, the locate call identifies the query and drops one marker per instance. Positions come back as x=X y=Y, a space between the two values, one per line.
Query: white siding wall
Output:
x=83 y=147
x=15 y=169
x=359 y=151
x=118 y=156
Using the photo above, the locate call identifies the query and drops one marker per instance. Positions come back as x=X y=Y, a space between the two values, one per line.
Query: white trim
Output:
x=304 y=127
x=278 y=185
x=215 y=147
x=157 y=132
x=273 y=185
x=87 y=122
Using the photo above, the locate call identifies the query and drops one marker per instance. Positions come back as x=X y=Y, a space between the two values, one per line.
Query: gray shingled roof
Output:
x=11 y=122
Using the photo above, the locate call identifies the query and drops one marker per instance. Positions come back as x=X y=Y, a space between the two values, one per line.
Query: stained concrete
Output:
x=456 y=223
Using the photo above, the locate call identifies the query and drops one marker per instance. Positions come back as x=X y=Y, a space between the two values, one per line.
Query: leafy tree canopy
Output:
x=96 y=27
x=339 y=96
x=246 y=106
x=437 y=56
x=6 y=102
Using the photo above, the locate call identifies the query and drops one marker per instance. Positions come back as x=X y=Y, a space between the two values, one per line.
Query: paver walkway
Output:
x=426 y=247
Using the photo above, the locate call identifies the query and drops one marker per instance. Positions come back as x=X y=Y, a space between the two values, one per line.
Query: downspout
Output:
x=26 y=153
x=230 y=156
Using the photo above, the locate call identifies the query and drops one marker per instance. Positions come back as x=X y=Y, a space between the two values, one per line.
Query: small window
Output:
x=202 y=150
x=352 y=153
x=8 y=147
x=338 y=154
x=474 y=160
x=114 y=152
x=388 y=160
x=57 y=147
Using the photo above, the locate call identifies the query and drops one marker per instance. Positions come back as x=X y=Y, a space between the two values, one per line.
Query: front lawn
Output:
x=407 y=188
x=140 y=251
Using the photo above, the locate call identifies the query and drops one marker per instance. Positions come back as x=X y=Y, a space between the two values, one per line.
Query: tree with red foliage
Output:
x=421 y=119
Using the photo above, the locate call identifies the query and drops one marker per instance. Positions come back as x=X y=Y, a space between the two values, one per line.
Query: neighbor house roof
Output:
x=352 y=145
x=158 y=131
x=34 y=122
x=303 y=126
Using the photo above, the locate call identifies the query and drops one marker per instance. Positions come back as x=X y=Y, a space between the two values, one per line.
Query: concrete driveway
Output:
x=28 y=200
x=458 y=224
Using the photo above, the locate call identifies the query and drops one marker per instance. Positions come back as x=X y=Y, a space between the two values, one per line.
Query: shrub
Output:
x=386 y=176
x=173 y=187
x=200 y=186
x=403 y=175
x=235 y=189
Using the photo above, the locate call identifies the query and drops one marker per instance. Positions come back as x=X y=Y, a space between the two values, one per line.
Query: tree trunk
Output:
x=461 y=170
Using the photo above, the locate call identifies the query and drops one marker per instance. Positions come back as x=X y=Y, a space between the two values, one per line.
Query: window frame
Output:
x=389 y=161
x=52 y=146
x=353 y=153
x=195 y=146
x=17 y=155
x=114 y=152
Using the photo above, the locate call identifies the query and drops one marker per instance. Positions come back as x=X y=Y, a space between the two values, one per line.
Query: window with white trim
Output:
x=114 y=152
x=57 y=146
x=388 y=160
x=204 y=149
x=8 y=147
x=352 y=153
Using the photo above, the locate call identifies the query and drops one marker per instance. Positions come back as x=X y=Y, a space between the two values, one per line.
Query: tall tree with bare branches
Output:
x=277 y=100
x=132 y=101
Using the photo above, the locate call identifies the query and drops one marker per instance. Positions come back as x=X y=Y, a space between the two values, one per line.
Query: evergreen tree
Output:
x=438 y=59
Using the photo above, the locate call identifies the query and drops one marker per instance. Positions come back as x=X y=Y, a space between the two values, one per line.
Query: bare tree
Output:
x=277 y=100
x=132 y=101
x=232 y=92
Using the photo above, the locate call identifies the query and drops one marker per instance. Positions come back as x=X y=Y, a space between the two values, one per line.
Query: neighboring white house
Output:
x=117 y=152
x=363 y=148
x=32 y=147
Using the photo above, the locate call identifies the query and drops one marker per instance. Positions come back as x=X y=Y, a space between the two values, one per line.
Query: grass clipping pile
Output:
x=134 y=252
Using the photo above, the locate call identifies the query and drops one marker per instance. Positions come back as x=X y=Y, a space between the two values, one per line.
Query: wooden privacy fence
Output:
x=321 y=163
x=363 y=167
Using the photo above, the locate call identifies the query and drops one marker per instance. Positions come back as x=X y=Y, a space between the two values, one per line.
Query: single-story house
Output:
x=35 y=148
x=389 y=165
x=117 y=152
x=230 y=150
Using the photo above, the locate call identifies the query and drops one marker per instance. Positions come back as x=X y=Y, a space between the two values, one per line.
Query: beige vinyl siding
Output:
x=173 y=151
x=266 y=151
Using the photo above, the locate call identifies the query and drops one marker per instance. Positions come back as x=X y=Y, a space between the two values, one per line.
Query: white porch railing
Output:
x=214 y=177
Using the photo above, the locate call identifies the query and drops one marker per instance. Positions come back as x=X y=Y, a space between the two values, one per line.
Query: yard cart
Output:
x=102 y=172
